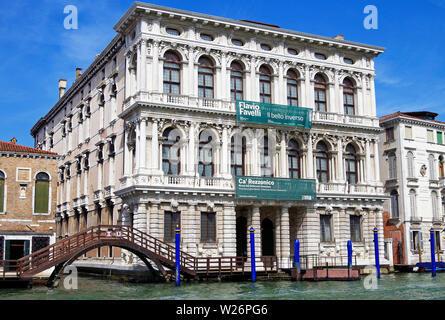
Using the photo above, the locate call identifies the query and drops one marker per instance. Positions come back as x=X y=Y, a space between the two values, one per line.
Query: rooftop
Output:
x=15 y=148
x=416 y=115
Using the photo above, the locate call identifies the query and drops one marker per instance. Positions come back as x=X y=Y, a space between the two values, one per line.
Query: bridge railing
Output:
x=9 y=269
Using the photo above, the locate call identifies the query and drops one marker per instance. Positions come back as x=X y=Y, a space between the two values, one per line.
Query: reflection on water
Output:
x=390 y=287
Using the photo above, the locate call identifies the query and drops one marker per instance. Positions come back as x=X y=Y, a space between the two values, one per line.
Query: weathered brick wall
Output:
x=19 y=211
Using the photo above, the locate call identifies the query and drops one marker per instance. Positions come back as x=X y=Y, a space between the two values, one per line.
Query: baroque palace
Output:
x=159 y=131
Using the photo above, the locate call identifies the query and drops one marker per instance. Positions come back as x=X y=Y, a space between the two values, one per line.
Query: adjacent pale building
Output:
x=149 y=137
x=412 y=168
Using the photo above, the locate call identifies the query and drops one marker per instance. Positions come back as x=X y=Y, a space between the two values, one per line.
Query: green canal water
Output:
x=390 y=287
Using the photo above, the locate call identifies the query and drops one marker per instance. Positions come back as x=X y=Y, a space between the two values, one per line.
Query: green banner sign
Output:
x=273 y=114
x=261 y=188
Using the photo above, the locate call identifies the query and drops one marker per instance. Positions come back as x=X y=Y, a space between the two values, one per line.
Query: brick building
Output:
x=28 y=193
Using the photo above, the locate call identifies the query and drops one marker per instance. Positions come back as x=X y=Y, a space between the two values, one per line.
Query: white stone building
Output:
x=412 y=168
x=149 y=136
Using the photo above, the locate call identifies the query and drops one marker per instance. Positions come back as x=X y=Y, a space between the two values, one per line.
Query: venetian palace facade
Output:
x=149 y=137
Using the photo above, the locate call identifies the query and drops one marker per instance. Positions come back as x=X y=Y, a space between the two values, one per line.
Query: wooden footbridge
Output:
x=145 y=247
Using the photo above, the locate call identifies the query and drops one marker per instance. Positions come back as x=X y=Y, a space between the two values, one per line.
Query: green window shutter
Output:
x=7 y=249
x=26 y=249
x=2 y=195
x=41 y=197
x=439 y=138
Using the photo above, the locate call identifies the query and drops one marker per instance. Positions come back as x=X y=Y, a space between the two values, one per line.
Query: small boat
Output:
x=428 y=266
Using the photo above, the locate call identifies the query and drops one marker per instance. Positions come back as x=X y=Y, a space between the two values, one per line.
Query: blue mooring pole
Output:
x=297 y=255
x=376 y=249
x=252 y=253
x=433 y=253
x=349 y=254
x=178 y=256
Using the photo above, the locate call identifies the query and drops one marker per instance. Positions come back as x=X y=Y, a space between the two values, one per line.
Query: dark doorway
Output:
x=267 y=238
x=16 y=249
x=397 y=247
x=241 y=237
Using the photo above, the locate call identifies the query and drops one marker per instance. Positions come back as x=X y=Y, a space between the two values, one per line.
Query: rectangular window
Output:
x=439 y=137
x=408 y=132
x=356 y=235
x=437 y=239
x=389 y=134
x=430 y=136
x=171 y=220
x=208 y=227
x=416 y=240
x=325 y=228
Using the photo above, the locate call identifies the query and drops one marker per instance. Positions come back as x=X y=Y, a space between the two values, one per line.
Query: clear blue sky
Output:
x=36 y=50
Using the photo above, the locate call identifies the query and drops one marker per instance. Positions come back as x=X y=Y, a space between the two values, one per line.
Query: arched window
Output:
x=348 y=96
x=172 y=73
x=171 y=152
x=293 y=157
x=392 y=166
x=413 y=203
x=265 y=85
x=441 y=167
x=394 y=204
x=432 y=167
x=41 y=197
x=206 y=84
x=322 y=161
x=266 y=159
x=205 y=156
x=236 y=81
x=292 y=88
x=2 y=191
x=434 y=205
x=320 y=93
x=238 y=156
x=410 y=160
x=351 y=164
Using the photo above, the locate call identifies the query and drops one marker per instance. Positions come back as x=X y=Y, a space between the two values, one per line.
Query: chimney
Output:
x=13 y=140
x=62 y=87
x=78 y=73
x=339 y=37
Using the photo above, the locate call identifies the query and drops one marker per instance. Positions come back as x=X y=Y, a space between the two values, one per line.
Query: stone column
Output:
x=310 y=159
x=140 y=216
x=340 y=162
x=155 y=220
x=256 y=223
x=229 y=230
x=376 y=162
x=155 y=64
x=143 y=145
x=368 y=162
x=285 y=237
x=311 y=231
x=191 y=150
x=224 y=153
x=284 y=161
x=154 y=147
x=278 y=213
x=310 y=103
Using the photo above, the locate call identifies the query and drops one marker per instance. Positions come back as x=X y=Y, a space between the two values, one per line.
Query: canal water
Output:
x=407 y=286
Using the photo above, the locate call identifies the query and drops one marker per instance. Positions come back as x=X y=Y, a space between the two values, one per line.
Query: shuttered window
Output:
x=41 y=199
x=325 y=228
x=416 y=240
x=171 y=220
x=2 y=191
x=439 y=138
x=356 y=235
x=208 y=227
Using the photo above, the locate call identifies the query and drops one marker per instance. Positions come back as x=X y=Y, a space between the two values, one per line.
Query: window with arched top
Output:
x=434 y=201
x=348 y=96
x=171 y=152
x=351 y=164
x=238 y=156
x=394 y=196
x=392 y=165
x=206 y=85
x=413 y=203
x=292 y=88
x=432 y=167
x=265 y=85
x=441 y=167
x=322 y=162
x=266 y=159
x=320 y=93
x=236 y=81
x=41 y=195
x=205 y=155
x=293 y=157
x=410 y=163
x=172 y=73
x=2 y=191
